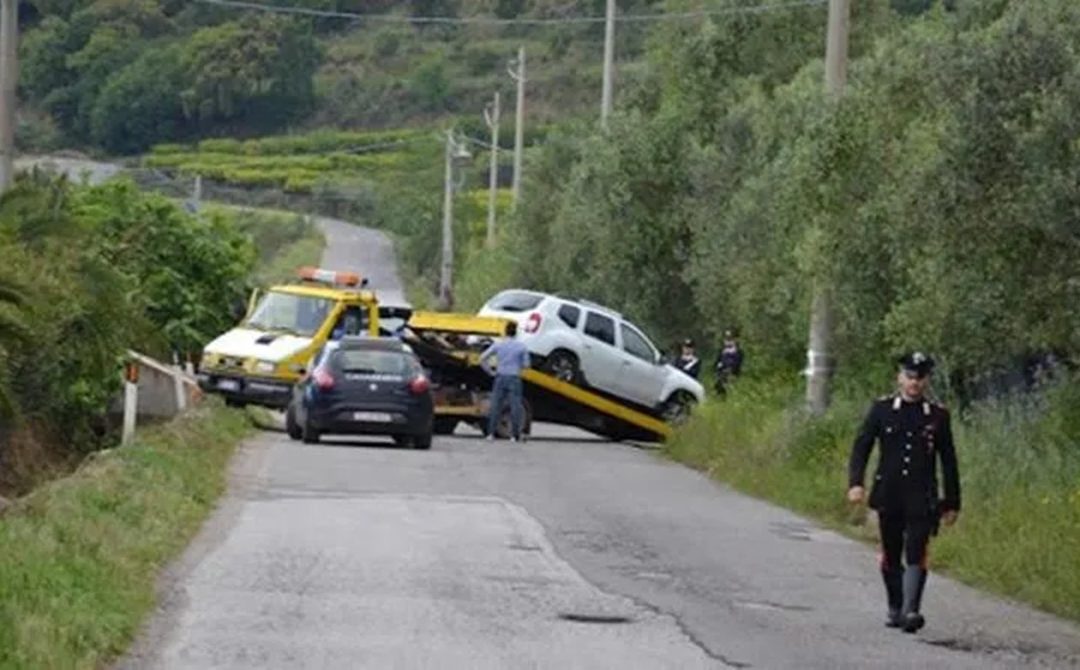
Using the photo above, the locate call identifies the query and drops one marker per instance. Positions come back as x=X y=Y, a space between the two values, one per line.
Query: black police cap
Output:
x=916 y=362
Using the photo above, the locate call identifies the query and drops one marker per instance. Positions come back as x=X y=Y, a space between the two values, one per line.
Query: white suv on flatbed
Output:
x=586 y=344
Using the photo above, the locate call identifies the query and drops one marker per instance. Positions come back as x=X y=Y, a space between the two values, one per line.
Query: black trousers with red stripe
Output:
x=904 y=537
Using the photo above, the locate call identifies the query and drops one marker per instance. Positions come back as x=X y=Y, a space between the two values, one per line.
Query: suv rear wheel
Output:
x=564 y=366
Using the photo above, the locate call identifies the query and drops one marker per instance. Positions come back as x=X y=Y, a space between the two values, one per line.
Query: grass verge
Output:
x=1019 y=533
x=82 y=554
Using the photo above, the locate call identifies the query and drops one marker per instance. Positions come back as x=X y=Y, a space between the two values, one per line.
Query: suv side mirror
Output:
x=662 y=359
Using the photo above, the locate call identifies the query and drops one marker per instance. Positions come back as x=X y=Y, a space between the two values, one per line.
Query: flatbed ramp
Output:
x=449 y=345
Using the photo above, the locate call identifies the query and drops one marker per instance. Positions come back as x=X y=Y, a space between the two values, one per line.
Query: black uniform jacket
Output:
x=690 y=365
x=913 y=435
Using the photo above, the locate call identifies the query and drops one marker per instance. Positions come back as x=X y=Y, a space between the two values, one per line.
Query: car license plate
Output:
x=372 y=417
x=228 y=385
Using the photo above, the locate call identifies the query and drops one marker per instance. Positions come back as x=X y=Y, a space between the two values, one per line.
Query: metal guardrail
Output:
x=155 y=389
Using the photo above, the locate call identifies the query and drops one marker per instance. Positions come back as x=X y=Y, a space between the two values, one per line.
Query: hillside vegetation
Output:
x=122 y=76
x=91 y=271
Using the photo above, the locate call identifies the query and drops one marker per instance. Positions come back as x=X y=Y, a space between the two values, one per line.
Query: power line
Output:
x=365 y=148
x=487 y=20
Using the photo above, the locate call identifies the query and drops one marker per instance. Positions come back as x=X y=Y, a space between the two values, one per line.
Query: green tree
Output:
x=140 y=105
x=259 y=69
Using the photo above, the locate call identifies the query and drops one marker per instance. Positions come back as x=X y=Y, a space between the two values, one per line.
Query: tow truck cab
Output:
x=259 y=360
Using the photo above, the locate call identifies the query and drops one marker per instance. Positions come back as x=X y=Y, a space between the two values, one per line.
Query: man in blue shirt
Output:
x=511 y=358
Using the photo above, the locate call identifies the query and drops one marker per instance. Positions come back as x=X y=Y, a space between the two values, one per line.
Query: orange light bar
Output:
x=328 y=276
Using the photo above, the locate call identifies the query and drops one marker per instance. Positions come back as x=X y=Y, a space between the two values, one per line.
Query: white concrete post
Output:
x=178 y=383
x=131 y=409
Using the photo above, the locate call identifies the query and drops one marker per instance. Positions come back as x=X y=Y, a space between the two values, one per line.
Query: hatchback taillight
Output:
x=323 y=380
x=532 y=322
x=419 y=385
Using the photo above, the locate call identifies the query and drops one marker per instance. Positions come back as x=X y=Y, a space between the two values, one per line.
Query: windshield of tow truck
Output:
x=291 y=313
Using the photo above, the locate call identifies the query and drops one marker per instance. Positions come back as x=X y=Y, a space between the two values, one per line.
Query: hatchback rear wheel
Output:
x=308 y=433
x=292 y=428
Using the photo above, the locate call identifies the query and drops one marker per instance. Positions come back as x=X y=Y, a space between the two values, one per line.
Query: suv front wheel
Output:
x=678 y=407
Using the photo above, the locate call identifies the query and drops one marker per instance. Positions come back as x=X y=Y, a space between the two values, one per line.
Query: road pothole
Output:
x=791 y=531
x=768 y=605
x=589 y=617
x=977 y=646
x=518 y=546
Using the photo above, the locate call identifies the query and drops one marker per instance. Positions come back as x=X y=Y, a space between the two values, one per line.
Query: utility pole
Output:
x=9 y=74
x=454 y=152
x=446 y=272
x=517 y=73
x=820 y=362
x=491 y=116
x=609 y=64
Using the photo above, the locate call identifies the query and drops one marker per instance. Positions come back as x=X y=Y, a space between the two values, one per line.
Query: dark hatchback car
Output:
x=364 y=386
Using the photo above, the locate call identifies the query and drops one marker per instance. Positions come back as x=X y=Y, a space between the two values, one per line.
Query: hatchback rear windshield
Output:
x=373 y=362
x=514 y=301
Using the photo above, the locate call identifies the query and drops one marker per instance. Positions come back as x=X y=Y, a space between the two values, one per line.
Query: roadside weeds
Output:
x=82 y=554
x=1019 y=532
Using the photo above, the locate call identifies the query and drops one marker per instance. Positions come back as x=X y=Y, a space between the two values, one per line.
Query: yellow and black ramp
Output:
x=557 y=401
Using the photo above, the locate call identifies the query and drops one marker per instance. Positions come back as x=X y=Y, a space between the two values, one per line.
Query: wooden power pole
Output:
x=820 y=362
x=9 y=75
x=517 y=73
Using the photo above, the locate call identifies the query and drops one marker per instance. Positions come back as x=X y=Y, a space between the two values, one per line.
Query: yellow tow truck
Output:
x=259 y=361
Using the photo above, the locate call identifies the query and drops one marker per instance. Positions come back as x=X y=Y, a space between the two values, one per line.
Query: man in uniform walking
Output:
x=914 y=434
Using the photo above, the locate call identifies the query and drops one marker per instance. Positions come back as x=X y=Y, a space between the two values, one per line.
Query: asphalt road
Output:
x=563 y=552
x=367 y=252
x=76 y=169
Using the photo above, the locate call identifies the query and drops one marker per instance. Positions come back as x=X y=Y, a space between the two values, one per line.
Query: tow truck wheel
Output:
x=445 y=425
x=564 y=366
x=504 y=429
x=677 y=408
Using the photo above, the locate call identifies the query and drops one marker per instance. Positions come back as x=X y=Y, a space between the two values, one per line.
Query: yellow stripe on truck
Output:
x=464 y=324
x=597 y=402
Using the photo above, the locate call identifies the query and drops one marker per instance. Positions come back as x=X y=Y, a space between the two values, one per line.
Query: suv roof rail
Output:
x=592 y=305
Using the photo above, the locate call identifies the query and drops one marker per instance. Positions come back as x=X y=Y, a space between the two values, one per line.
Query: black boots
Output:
x=894 y=589
x=914 y=582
